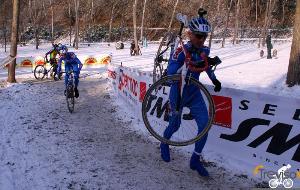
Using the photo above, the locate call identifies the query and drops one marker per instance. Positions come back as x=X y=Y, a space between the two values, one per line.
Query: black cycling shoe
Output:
x=56 y=78
x=76 y=93
x=187 y=116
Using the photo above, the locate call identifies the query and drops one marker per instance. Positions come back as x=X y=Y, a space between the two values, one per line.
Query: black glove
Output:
x=214 y=61
x=217 y=85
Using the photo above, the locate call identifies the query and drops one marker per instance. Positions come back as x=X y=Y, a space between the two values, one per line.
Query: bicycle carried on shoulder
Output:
x=156 y=110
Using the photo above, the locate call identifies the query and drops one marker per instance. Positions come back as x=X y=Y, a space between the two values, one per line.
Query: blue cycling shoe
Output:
x=195 y=164
x=165 y=152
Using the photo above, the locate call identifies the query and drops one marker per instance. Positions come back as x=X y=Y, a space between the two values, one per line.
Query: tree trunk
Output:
x=111 y=21
x=226 y=25
x=283 y=11
x=218 y=8
x=237 y=15
x=52 y=22
x=76 y=23
x=170 y=24
x=36 y=34
x=256 y=11
x=143 y=17
x=14 y=37
x=4 y=33
x=122 y=29
x=293 y=75
x=270 y=17
x=92 y=12
x=70 y=31
x=30 y=10
x=44 y=8
x=267 y=20
x=134 y=27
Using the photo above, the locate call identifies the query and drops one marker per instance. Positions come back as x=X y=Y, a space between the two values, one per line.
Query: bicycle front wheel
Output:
x=39 y=72
x=70 y=98
x=186 y=122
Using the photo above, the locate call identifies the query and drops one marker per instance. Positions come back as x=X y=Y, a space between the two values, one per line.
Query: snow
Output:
x=43 y=146
x=103 y=145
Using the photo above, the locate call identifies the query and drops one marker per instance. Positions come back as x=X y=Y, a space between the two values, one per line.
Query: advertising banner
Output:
x=249 y=128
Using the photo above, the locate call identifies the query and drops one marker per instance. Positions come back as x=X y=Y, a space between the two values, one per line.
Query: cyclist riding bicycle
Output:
x=52 y=55
x=197 y=53
x=71 y=62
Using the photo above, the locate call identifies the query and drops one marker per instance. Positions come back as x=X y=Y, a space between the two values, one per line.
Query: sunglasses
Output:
x=200 y=36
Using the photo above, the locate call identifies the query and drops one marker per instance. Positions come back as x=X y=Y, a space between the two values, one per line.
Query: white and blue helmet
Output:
x=63 y=49
x=199 y=25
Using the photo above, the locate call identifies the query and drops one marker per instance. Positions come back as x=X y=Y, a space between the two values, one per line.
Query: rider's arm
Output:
x=48 y=53
x=211 y=74
x=209 y=71
x=79 y=63
x=76 y=60
x=176 y=61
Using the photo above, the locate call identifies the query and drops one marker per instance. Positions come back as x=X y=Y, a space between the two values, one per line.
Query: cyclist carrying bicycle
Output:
x=71 y=62
x=52 y=55
x=197 y=53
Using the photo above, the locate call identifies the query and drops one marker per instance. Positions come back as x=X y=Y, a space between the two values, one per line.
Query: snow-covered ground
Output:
x=43 y=146
x=100 y=147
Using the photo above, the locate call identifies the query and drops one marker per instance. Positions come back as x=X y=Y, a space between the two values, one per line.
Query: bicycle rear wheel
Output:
x=162 y=56
x=70 y=98
x=40 y=72
x=156 y=111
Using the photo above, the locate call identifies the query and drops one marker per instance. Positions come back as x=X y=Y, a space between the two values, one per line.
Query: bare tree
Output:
x=143 y=17
x=218 y=8
x=92 y=12
x=283 y=10
x=134 y=27
x=4 y=24
x=175 y=6
x=4 y=34
x=237 y=15
x=214 y=23
x=14 y=41
x=268 y=19
x=70 y=22
x=36 y=18
x=76 y=23
x=293 y=75
x=256 y=11
x=226 y=25
x=111 y=19
x=52 y=21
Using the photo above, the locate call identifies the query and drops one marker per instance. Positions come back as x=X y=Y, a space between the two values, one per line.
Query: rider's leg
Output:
x=67 y=69
x=76 y=74
x=174 y=123
x=199 y=112
x=76 y=79
x=175 y=117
